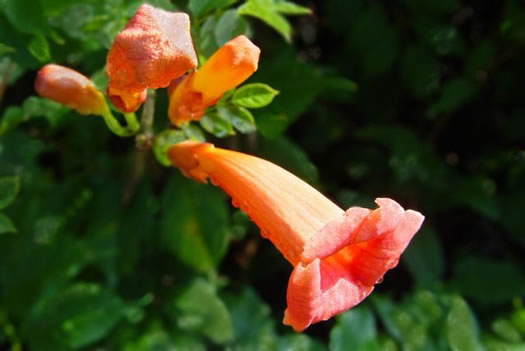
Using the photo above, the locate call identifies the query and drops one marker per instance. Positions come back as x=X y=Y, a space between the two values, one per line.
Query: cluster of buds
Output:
x=338 y=256
x=155 y=50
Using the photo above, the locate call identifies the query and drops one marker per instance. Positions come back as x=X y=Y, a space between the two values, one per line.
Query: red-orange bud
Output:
x=124 y=101
x=231 y=65
x=70 y=88
x=154 y=48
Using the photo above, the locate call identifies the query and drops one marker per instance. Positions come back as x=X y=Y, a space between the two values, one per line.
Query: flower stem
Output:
x=113 y=124
x=145 y=138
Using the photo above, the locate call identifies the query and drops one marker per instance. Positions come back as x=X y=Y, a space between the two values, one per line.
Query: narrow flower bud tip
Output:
x=231 y=65
x=338 y=256
x=70 y=88
x=125 y=101
x=154 y=48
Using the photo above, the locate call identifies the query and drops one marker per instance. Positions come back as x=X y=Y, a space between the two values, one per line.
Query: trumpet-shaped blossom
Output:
x=338 y=256
x=70 y=88
x=231 y=65
x=154 y=48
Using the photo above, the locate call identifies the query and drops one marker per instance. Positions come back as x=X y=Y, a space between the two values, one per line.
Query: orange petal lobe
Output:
x=70 y=88
x=349 y=275
x=231 y=65
x=154 y=48
x=286 y=209
x=125 y=101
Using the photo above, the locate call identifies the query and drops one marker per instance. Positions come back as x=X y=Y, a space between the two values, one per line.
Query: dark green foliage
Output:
x=104 y=246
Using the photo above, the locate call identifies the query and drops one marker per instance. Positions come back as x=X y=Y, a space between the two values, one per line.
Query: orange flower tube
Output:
x=231 y=65
x=70 y=88
x=154 y=48
x=338 y=256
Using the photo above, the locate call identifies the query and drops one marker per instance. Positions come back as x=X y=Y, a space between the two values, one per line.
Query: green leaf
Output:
x=252 y=323
x=424 y=258
x=271 y=124
x=194 y=226
x=12 y=117
x=6 y=226
x=506 y=330
x=230 y=25
x=198 y=8
x=39 y=48
x=6 y=49
x=506 y=279
x=286 y=153
x=162 y=143
x=193 y=132
x=299 y=342
x=77 y=316
x=260 y=9
x=241 y=118
x=355 y=330
x=254 y=95
x=461 y=327
x=201 y=310
x=9 y=187
x=420 y=72
x=207 y=39
x=27 y=16
x=454 y=94
x=290 y=8
x=218 y=124
x=374 y=40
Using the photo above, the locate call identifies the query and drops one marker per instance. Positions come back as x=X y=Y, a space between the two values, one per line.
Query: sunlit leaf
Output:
x=254 y=95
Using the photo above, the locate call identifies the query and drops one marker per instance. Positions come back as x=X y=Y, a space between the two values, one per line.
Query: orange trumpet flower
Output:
x=154 y=48
x=338 y=256
x=231 y=65
x=70 y=88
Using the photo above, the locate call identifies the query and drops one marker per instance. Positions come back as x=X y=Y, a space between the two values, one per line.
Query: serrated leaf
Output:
x=201 y=310
x=39 y=48
x=461 y=328
x=254 y=95
x=75 y=317
x=27 y=16
x=290 y=8
x=218 y=124
x=260 y=9
x=162 y=143
x=241 y=118
x=6 y=226
x=230 y=25
x=195 y=223
x=9 y=187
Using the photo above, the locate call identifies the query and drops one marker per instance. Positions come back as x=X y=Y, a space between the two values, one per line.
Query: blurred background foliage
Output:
x=102 y=248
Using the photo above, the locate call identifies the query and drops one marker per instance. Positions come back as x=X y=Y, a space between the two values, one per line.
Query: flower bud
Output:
x=70 y=88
